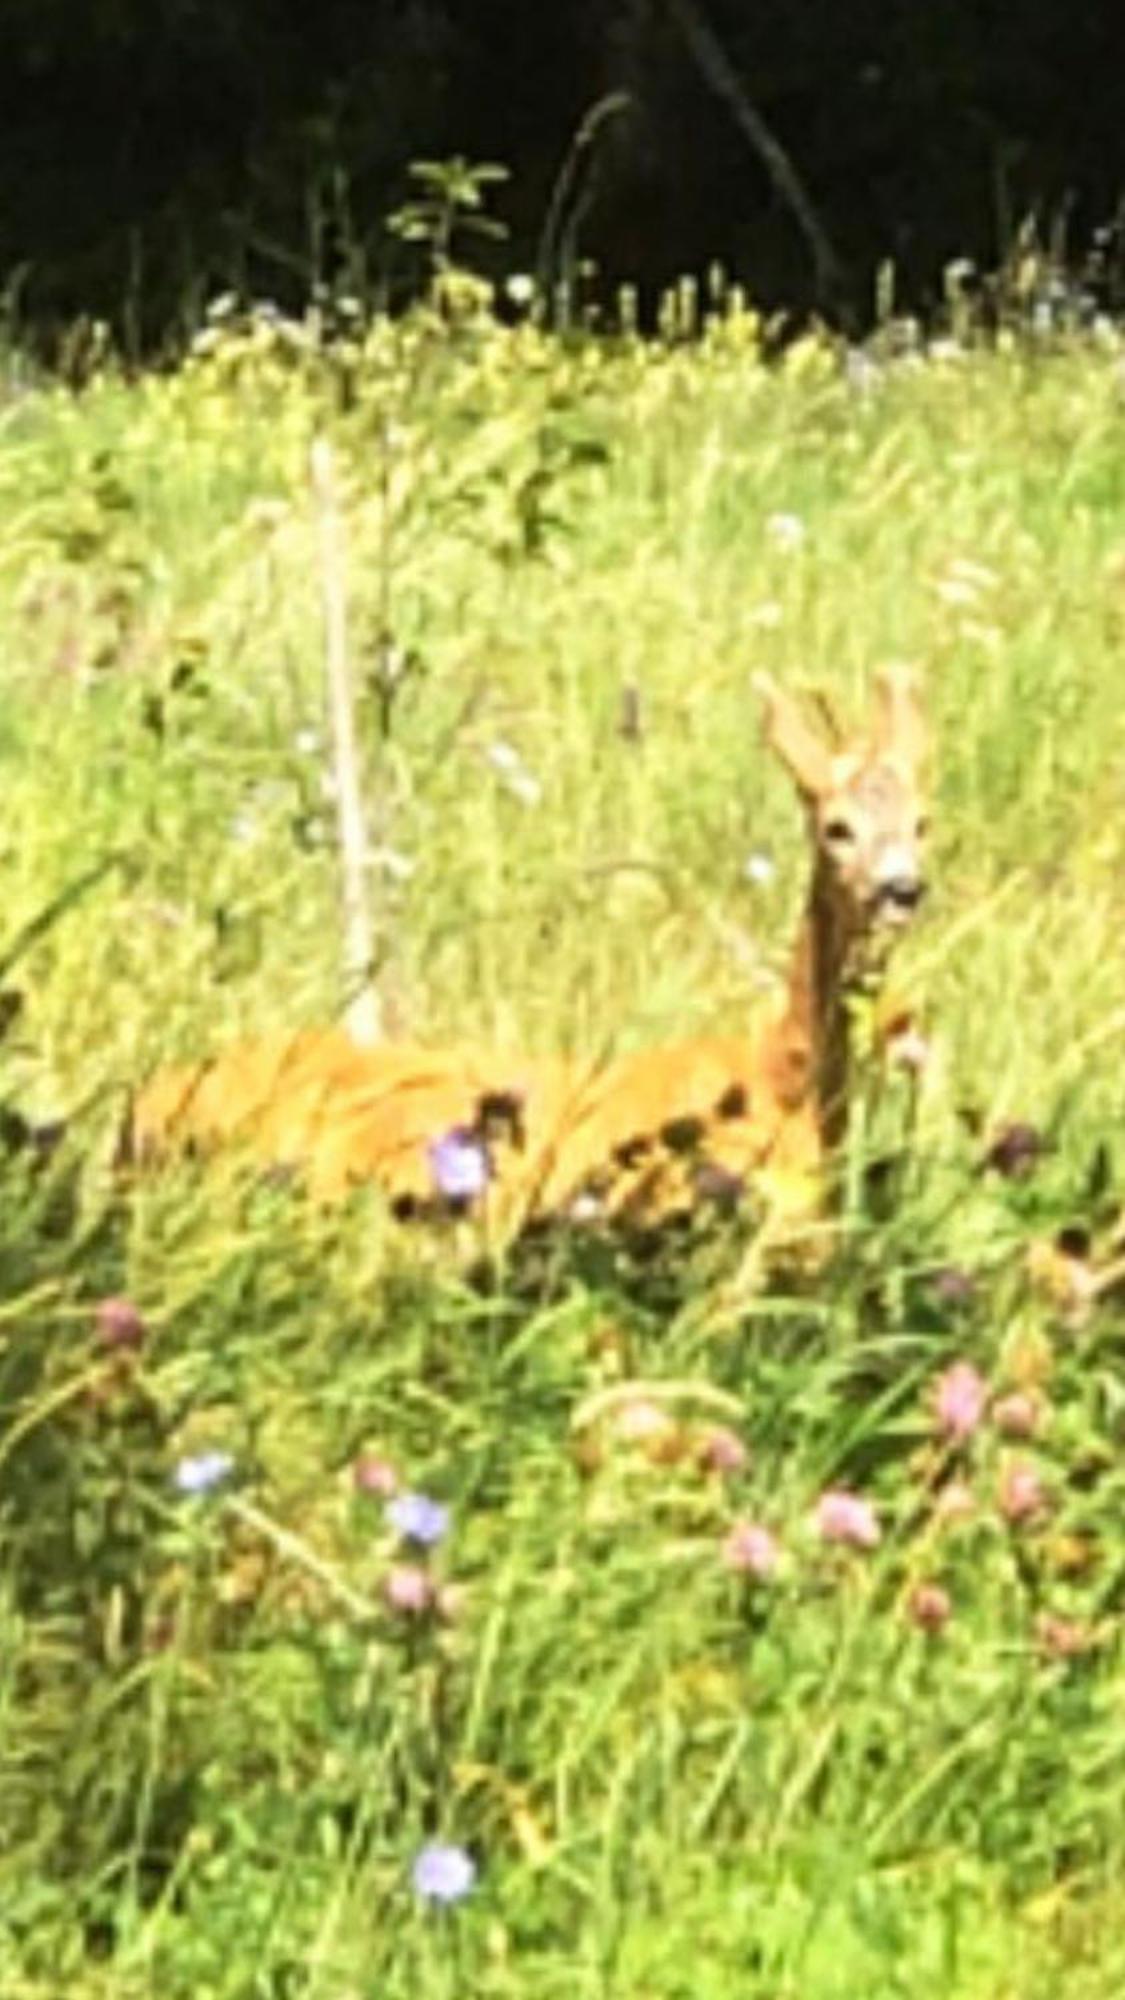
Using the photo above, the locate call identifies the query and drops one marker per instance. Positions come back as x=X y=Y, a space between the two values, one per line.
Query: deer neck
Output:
x=816 y=1025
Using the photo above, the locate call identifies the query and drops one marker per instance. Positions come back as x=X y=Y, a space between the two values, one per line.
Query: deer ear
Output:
x=791 y=737
x=899 y=729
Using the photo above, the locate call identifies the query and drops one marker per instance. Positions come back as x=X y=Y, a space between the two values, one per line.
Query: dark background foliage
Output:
x=152 y=151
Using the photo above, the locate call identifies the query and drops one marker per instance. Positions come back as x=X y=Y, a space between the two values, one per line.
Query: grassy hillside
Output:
x=878 y=1752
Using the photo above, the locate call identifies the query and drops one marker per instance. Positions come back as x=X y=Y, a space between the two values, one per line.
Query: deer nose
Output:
x=902 y=892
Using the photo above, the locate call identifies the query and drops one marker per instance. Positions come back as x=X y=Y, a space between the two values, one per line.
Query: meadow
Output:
x=368 y=1631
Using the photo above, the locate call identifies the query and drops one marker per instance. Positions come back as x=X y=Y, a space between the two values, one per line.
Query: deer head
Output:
x=863 y=799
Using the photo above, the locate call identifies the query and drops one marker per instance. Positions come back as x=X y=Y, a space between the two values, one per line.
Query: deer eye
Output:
x=838 y=832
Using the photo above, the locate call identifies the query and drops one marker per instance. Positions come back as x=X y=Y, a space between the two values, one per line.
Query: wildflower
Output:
x=860 y=372
x=847 y=1518
x=203 y=1472
x=640 y=1421
x=651 y=1429
x=929 y=1607
x=1062 y=1638
x=1016 y=1415
x=459 y=1165
x=419 y=1519
x=408 y=1589
x=759 y=869
x=722 y=1450
x=245 y=828
x=118 y=1324
x=1021 y=1496
x=959 y=1400
x=786 y=531
x=957 y=591
x=752 y=1551
x=951 y=1286
x=372 y=1474
x=443 y=1874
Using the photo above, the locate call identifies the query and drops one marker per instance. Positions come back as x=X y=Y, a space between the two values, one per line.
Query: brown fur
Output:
x=648 y=1133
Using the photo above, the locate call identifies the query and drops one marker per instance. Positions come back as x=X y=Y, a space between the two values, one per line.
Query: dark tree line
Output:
x=153 y=151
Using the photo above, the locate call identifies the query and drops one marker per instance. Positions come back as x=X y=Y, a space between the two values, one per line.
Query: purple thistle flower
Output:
x=408 y=1589
x=1017 y=1415
x=722 y=1450
x=847 y=1518
x=118 y=1324
x=373 y=1474
x=443 y=1874
x=459 y=1164
x=960 y=1397
x=929 y=1607
x=751 y=1551
x=203 y=1472
x=418 y=1518
x=1022 y=1495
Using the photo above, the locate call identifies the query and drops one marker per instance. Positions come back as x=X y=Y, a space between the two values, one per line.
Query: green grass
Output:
x=220 y=1747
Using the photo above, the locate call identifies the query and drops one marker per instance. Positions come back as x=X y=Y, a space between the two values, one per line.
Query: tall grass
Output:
x=222 y=1743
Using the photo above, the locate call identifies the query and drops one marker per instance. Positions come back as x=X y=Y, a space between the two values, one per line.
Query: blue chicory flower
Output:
x=418 y=1518
x=203 y=1472
x=459 y=1165
x=443 y=1874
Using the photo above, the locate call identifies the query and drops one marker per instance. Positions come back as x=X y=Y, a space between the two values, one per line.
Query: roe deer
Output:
x=649 y=1133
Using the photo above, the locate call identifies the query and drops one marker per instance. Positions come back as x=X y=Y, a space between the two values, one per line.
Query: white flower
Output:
x=759 y=869
x=202 y=1472
x=786 y=531
x=860 y=372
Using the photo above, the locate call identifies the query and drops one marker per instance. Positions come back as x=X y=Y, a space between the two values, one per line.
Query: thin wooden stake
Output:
x=364 y=1015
